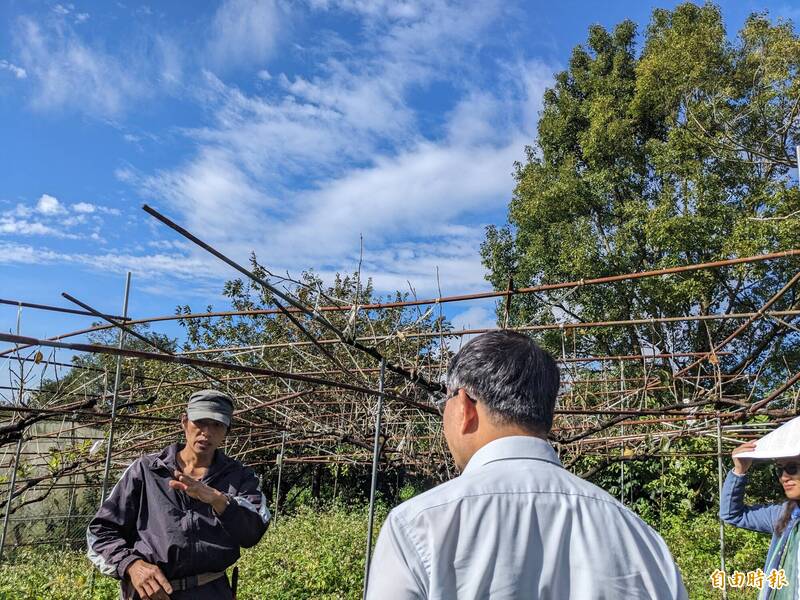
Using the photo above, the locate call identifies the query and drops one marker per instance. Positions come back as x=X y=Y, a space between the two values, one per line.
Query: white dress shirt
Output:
x=516 y=524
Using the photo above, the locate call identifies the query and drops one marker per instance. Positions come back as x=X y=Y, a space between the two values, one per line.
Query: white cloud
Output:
x=395 y=265
x=475 y=317
x=365 y=104
x=510 y=109
x=392 y=9
x=245 y=32
x=125 y=174
x=148 y=267
x=84 y=207
x=407 y=207
x=62 y=10
x=69 y=73
x=349 y=132
x=477 y=118
x=49 y=205
x=73 y=221
x=536 y=77
x=18 y=72
x=170 y=60
x=355 y=103
x=215 y=195
x=351 y=110
x=296 y=135
x=20 y=210
x=88 y=208
x=11 y=225
x=170 y=245
x=440 y=40
x=415 y=193
x=50 y=217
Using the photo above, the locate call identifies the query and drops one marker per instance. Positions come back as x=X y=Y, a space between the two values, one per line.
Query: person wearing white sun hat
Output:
x=782 y=519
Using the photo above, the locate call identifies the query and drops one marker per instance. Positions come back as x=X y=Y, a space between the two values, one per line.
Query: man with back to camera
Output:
x=515 y=523
x=176 y=520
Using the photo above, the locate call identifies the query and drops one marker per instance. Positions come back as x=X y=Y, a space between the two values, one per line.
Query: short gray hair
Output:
x=516 y=379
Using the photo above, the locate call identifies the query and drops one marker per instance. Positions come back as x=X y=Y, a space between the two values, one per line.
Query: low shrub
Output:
x=39 y=574
x=319 y=554
x=694 y=544
x=311 y=554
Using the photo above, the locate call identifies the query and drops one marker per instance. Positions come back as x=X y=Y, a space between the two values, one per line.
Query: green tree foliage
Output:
x=678 y=154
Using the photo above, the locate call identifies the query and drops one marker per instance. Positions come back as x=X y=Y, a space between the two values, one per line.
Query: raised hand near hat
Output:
x=199 y=491
x=741 y=465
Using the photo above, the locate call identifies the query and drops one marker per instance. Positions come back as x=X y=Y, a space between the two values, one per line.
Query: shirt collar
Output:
x=510 y=447
x=168 y=460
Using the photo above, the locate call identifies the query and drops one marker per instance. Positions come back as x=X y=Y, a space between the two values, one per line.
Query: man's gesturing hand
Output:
x=149 y=581
x=199 y=491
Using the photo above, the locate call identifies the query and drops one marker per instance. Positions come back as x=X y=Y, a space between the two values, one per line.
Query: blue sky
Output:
x=288 y=128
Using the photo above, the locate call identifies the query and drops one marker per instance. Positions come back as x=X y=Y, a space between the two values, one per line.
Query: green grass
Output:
x=320 y=554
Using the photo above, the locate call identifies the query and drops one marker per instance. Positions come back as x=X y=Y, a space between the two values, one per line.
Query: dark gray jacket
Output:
x=145 y=518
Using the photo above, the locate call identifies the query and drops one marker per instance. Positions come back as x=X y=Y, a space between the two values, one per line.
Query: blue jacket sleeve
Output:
x=734 y=511
x=246 y=517
x=110 y=535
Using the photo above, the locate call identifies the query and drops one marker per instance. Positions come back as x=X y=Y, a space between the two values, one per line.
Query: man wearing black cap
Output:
x=176 y=520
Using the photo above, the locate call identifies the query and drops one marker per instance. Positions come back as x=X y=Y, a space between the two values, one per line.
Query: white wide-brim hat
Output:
x=784 y=442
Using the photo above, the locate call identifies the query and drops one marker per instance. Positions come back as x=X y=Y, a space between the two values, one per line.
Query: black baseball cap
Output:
x=210 y=404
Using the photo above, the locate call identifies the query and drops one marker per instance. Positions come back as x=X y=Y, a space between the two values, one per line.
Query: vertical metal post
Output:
x=721 y=524
x=622 y=434
x=373 y=483
x=115 y=395
x=11 y=485
x=280 y=472
x=15 y=464
x=661 y=499
x=336 y=480
x=71 y=503
x=797 y=153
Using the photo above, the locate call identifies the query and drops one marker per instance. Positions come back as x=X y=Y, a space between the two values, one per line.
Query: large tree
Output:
x=682 y=152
